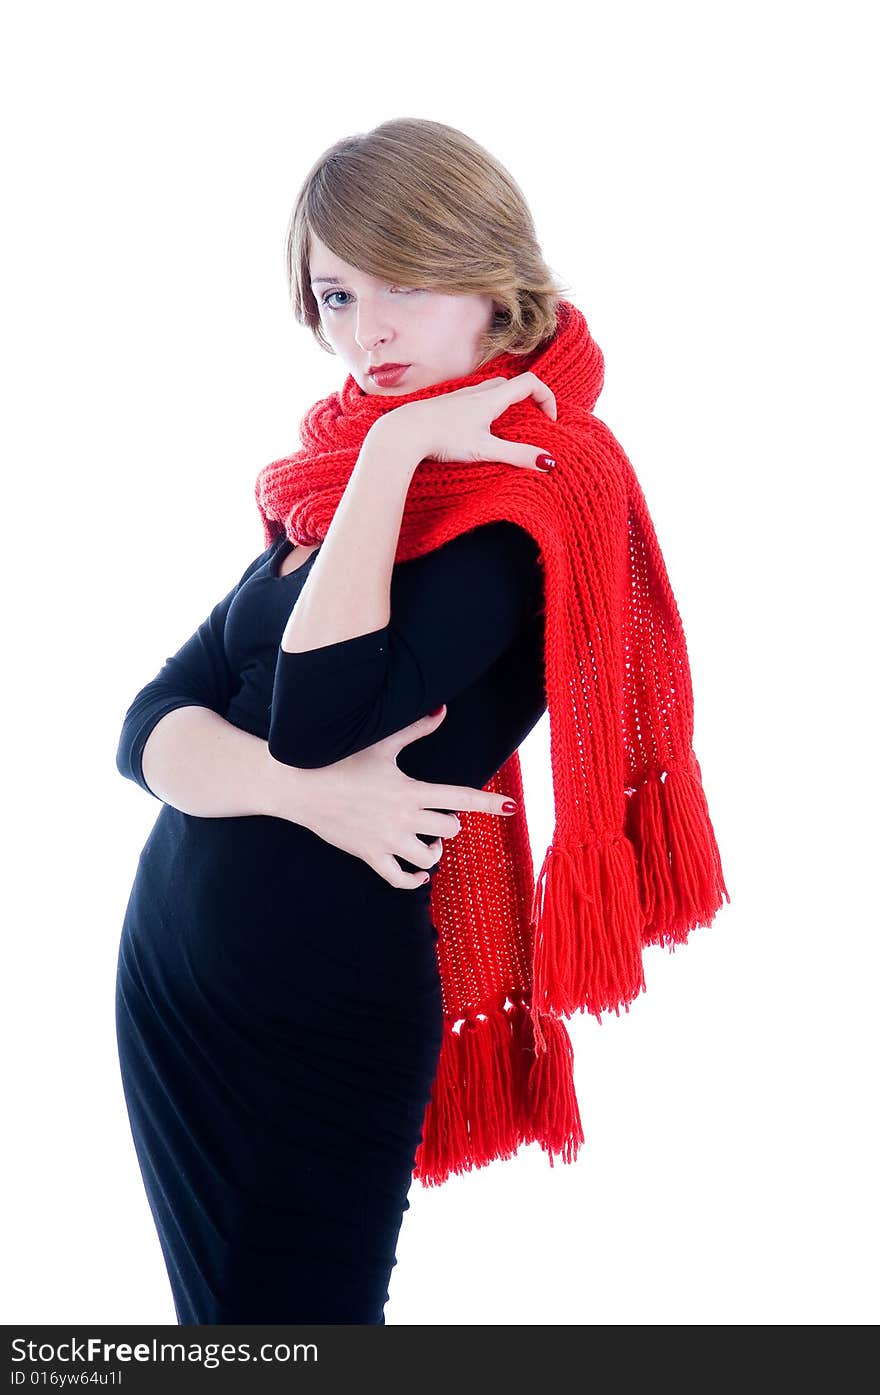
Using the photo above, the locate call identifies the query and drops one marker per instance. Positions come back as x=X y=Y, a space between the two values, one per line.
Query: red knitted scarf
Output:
x=634 y=860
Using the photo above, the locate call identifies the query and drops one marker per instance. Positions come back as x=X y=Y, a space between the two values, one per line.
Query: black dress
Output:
x=278 y=1005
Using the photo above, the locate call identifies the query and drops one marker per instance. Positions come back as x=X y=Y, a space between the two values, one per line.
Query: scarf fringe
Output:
x=597 y=904
x=680 y=875
x=587 y=926
x=492 y=1093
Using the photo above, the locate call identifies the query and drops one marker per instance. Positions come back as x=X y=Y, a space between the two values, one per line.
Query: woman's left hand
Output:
x=455 y=425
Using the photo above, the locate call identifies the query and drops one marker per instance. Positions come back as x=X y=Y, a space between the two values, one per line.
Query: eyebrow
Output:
x=316 y=280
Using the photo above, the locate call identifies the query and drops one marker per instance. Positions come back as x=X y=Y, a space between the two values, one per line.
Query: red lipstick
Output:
x=388 y=374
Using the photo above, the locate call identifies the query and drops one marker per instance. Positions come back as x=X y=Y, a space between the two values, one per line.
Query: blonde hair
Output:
x=418 y=203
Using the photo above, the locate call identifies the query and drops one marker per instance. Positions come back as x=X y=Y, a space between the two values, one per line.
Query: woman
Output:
x=315 y=997
x=279 y=1007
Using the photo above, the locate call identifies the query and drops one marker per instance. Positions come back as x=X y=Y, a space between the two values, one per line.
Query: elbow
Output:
x=306 y=751
x=293 y=753
x=327 y=703
x=314 y=744
x=123 y=754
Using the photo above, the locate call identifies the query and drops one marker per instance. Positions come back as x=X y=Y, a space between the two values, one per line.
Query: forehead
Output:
x=325 y=266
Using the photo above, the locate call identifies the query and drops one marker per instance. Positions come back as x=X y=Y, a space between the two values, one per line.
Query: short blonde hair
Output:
x=418 y=203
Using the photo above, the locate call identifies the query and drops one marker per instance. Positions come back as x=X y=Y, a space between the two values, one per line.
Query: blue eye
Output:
x=326 y=298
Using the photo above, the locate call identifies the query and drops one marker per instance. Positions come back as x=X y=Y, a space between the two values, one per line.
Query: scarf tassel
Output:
x=680 y=874
x=587 y=927
x=492 y=1092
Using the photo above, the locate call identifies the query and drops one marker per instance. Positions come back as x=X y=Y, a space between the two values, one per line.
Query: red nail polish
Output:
x=437 y=710
x=509 y=807
x=545 y=462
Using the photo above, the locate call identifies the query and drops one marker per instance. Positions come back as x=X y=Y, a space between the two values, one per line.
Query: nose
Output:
x=369 y=333
x=368 y=343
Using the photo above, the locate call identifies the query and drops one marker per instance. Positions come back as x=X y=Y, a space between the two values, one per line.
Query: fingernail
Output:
x=509 y=807
x=426 y=878
x=437 y=710
x=545 y=462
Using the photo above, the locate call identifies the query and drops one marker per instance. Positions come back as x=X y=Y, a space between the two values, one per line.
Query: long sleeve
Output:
x=454 y=612
x=198 y=675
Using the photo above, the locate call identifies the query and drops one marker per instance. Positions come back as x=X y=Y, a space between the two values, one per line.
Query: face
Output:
x=369 y=322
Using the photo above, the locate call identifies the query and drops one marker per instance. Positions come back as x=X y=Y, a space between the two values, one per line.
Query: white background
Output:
x=701 y=176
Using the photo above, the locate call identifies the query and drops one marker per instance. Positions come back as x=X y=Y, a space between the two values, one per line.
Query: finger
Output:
x=418 y=853
x=420 y=727
x=529 y=385
x=545 y=398
x=536 y=458
x=394 y=874
x=437 y=824
x=449 y=797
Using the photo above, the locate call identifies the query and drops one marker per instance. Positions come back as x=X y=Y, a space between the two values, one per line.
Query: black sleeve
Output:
x=198 y=675
x=453 y=612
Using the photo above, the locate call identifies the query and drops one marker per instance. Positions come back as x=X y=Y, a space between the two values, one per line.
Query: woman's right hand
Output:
x=366 y=805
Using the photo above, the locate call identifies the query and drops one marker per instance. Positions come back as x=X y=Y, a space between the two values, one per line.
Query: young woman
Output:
x=315 y=996
x=279 y=1005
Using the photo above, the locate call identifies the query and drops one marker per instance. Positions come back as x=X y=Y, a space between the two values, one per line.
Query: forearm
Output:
x=348 y=590
x=201 y=764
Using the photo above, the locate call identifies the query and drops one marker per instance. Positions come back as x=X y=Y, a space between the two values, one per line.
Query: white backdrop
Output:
x=701 y=177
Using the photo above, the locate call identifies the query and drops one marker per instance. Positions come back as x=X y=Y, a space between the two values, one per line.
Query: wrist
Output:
x=395 y=441
x=275 y=785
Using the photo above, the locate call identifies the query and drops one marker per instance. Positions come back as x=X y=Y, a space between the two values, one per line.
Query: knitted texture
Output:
x=633 y=860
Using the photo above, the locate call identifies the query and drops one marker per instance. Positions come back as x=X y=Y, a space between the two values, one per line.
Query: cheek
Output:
x=333 y=331
x=452 y=322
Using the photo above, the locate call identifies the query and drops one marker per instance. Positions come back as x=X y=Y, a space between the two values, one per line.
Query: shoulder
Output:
x=502 y=541
x=494 y=566
x=515 y=557
x=504 y=550
x=500 y=548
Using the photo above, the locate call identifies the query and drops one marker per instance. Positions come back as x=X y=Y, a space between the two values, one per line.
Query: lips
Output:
x=388 y=375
